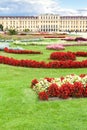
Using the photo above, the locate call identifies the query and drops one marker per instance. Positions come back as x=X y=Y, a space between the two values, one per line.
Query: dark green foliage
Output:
x=12 y=32
x=1 y=27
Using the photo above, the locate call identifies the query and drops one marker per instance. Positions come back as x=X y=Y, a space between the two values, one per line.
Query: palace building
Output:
x=45 y=23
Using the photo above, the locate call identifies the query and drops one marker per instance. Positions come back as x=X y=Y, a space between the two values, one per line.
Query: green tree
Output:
x=26 y=30
x=1 y=27
x=12 y=32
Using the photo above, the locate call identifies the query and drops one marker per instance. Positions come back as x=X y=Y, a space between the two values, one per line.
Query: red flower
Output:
x=81 y=54
x=43 y=95
x=53 y=90
x=61 y=78
x=85 y=91
x=49 y=79
x=62 y=56
x=78 y=89
x=34 y=82
x=66 y=90
x=82 y=75
x=42 y=64
x=21 y=51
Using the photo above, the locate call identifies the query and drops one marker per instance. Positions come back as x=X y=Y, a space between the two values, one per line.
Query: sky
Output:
x=37 y=7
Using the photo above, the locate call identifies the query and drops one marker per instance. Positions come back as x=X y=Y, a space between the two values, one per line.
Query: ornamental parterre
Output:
x=21 y=51
x=73 y=86
x=63 y=56
x=43 y=64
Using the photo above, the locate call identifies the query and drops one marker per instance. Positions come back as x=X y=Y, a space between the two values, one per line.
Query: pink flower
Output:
x=55 y=47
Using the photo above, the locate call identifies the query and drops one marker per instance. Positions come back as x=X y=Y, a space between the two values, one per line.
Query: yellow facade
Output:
x=45 y=23
x=19 y=23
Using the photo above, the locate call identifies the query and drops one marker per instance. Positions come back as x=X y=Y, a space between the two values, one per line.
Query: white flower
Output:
x=43 y=84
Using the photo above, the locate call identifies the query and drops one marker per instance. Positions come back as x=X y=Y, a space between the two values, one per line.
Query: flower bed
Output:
x=74 y=39
x=80 y=39
x=66 y=55
x=50 y=45
x=63 y=56
x=43 y=64
x=63 y=87
x=55 y=47
x=61 y=36
x=74 y=44
x=61 y=46
x=68 y=39
x=80 y=53
x=21 y=51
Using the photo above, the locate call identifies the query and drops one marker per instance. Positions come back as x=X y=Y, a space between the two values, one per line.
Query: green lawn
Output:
x=20 y=108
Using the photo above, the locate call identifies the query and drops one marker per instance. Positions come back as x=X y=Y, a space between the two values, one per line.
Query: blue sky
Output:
x=74 y=4
x=36 y=7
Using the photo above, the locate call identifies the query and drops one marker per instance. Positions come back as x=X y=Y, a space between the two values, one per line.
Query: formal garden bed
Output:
x=64 y=87
x=74 y=39
x=16 y=51
x=63 y=56
x=43 y=64
x=65 y=105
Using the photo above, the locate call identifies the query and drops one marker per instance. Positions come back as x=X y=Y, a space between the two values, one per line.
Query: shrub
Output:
x=12 y=32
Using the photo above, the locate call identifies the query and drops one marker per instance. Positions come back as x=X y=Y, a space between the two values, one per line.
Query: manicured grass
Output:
x=20 y=108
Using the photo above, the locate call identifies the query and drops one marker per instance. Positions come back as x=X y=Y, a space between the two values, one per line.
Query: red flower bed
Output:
x=42 y=64
x=68 y=90
x=66 y=55
x=62 y=56
x=69 y=86
x=21 y=51
x=84 y=54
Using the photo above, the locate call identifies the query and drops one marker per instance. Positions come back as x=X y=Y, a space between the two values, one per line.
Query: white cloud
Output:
x=72 y=12
x=36 y=7
x=83 y=11
x=4 y=9
x=30 y=6
x=69 y=12
x=42 y=6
